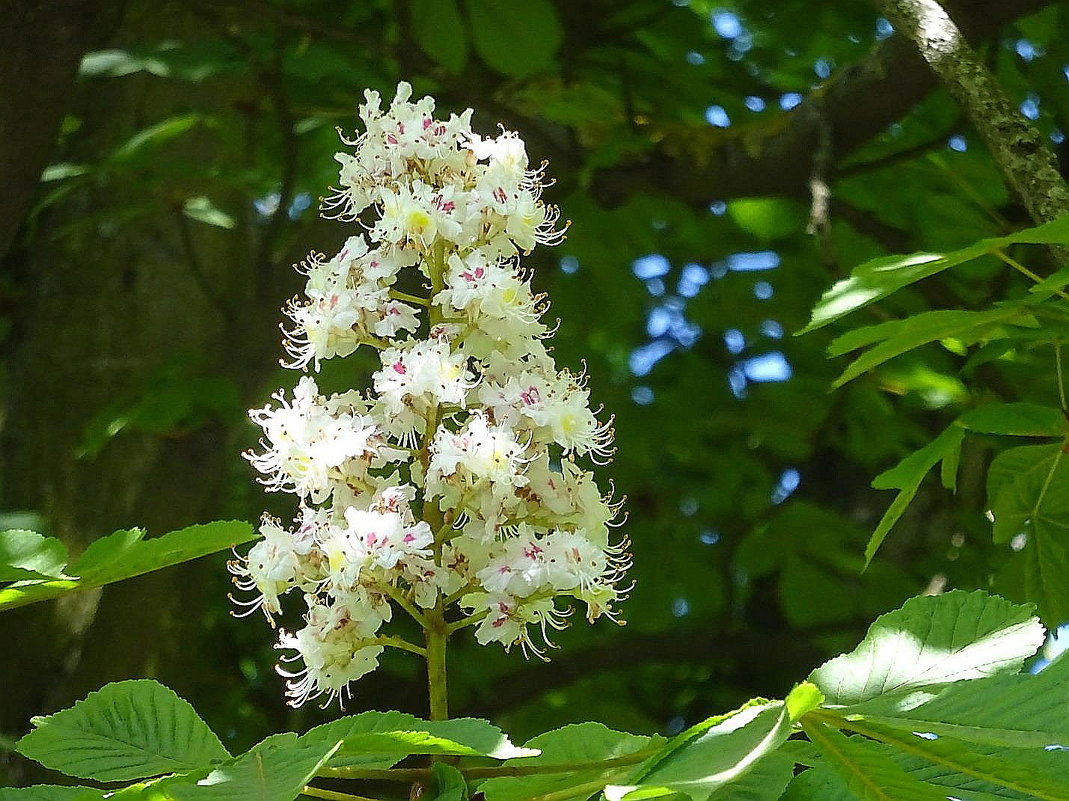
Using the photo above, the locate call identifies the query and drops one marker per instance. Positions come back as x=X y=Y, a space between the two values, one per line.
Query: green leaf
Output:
x=1016 y=420
x=155 y=135
x=955 y=784
x=821 y=783
x=1037 y=779
x=1028 y=493
x=907 y=476
x=880 y=277
x=1010 y=711
x=127 y=730
x=276 y=769
x=125 y=554
x=203 y=210
x=449 y=784
x=381 y=739
x=62 y=170
x=29 y=555
x=575 y=744
x=766 y=780
x=930 y=641
x=516 y=39
x=440 y=32
x=922 y=329
x=710 y=756
x=117 y=63
x=768 y=218
x=804 y=698
x=867 y=771
x=51 y=792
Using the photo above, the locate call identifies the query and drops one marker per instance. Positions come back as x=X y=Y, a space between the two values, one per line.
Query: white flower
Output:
x=334 y=649
x=452 y=486
x=304 y=443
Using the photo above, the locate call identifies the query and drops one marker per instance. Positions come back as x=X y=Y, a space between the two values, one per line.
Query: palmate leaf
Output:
x=125 y=731
x=126 y=554
x=1028 y=494
x=880 y=277
x=931 y=641
x=578 y=743
x=711 y=756
x=381 y=739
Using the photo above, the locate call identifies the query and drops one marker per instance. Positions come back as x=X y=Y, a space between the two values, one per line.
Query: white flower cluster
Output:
x=451 y=488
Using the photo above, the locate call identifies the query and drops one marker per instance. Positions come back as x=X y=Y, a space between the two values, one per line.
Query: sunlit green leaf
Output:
x=154 y=136
x=127 y=730
x=203 y=210
x=125 y=554
x=1008 y=711
x=380 y=739
x=922 y=329
x=28 y=555
x=1046 y=777
x=710 y=756
x=276 y=769
x=868 y=773
x=578 y=743
x=930 y=641
x=882 y=276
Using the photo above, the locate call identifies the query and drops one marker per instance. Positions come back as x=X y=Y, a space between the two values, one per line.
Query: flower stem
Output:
x=416 y=299
x=397 y=642
x=436 y=636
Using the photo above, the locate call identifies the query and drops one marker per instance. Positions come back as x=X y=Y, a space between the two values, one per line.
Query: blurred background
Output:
x=722 y=163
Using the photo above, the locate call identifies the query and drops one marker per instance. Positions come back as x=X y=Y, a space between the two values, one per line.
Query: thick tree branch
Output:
x=856 y=105
x=1022 y=154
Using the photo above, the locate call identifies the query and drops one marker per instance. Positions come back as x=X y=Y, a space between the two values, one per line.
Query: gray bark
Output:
x=1023 y=155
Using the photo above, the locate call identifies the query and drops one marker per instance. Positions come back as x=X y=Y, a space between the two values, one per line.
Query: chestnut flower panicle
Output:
x=452 y=486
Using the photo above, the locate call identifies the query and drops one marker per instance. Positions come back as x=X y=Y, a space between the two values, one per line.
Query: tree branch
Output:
x=1023 y=156
x=857 y=104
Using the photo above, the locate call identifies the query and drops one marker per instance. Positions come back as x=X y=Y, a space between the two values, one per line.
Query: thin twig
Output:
x=1058 y=371
x=1025 y=271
